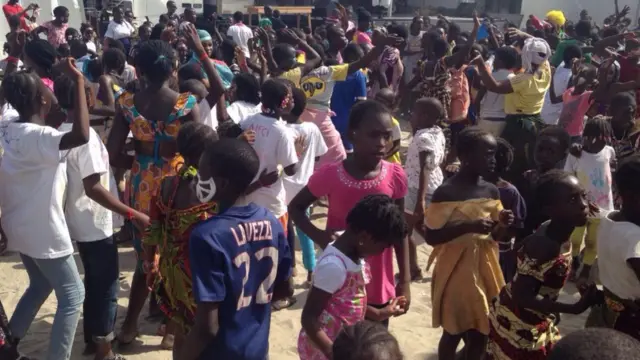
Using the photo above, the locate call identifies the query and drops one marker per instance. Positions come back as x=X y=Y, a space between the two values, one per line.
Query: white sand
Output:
x=413 y=330
x=418 y=340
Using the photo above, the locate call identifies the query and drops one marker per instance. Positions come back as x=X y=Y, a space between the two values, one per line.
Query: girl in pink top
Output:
x=347 y=182
x=576 y=101
x=338 y=297
x=57 y=27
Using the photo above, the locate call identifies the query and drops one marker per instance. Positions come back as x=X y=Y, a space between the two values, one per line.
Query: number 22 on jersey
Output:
x=262 y=294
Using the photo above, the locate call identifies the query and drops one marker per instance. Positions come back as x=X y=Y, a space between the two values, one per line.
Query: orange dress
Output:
x=147 y=171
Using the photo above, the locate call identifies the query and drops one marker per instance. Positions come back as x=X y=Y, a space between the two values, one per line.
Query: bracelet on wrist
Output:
x=203 y=56
x=130 y=214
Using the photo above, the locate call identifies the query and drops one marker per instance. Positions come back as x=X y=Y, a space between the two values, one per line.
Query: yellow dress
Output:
x=467 y=273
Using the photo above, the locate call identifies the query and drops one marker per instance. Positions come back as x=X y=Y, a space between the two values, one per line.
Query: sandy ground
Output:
x=418 y=340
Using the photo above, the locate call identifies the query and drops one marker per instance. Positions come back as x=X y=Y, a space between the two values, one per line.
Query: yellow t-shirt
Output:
x=292 y=75
x=318 y=85
x=528 y=91
x=396 y=134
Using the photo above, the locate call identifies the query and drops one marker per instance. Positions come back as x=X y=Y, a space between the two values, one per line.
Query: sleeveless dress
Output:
x=347 y=306
x=169 y=231
x=467 y=272
x=521 y=333
x=147 y=171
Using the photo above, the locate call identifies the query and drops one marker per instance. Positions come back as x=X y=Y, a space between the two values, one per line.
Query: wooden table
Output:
x=297 y=10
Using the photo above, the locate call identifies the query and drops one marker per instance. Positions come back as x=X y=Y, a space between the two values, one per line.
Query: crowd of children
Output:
x=213 y=145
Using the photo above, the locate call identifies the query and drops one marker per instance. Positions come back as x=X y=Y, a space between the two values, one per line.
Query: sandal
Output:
x=283 y=304
x=122 y=342
x=115 y=357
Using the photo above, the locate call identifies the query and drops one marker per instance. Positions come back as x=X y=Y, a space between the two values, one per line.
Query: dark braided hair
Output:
x=191 y=71
x=21 y=90
x=229 y=129
x=546 y=187
x=155 y=60
x=234 y=160
x=504 y=156
x=379 y=216
x=598 y=127
x=247 y=88
x=114 y=60
x=596 y=343
x=193 y=139
x=274 y=91
x=366 y=340
x=42 y=54
x=299 y=102
x=363 y=110
x=468 y=140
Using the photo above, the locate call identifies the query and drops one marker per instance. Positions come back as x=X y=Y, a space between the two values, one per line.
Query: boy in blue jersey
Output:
x=240 y=260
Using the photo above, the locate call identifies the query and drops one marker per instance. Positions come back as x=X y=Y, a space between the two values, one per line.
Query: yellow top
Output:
x=589 y=235
x=528 y=91
x=396 y=134
x=467 y=273
x=294 y=75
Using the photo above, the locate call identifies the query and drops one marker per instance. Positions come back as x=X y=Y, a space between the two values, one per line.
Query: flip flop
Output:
x=283 y=304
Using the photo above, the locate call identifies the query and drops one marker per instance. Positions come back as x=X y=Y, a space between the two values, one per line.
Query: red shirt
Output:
x=15 y=9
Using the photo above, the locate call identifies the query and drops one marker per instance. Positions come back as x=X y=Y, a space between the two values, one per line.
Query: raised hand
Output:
x=192 y=39
x=68 y=67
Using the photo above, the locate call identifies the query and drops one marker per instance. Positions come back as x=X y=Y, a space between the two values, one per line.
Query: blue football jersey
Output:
x=236 y=258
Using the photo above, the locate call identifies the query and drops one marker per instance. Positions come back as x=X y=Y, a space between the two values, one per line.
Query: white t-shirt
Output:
x=492 y=105
x=33 y=174
x=332 y=268
x=431 y=140
x=208 y=116
x=119 y=31
x=275 y=147
x=129 y=73
x=91 y=46
x=87 y=220
x=241 y=33
x=240 y=110
x=315 y=148
x=594 y=173
x=617 y=243
x=551 y=112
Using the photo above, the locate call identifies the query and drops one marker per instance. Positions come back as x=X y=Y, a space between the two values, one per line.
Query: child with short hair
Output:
x=366 y=340
x=338 y=296
x=345 y=183
x=240 y=260
x=175 y=211
x=314 y=148
x=274 y=144
x=425 y=156
x=90 y=201
x=511 y=200
x=596 y=343
x=529 y=303
x=462 y=221
x=387 y=97
x=576 y=101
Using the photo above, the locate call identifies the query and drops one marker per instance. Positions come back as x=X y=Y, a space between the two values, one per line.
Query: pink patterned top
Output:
x=55 y=34
x=344 y=192
x=347 y=306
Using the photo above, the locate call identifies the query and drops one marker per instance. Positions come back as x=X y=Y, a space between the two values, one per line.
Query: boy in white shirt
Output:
x=240 y=33
x=314 y=148
x=90 y=200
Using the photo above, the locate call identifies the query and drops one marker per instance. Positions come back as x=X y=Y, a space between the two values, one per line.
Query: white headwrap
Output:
x=534 y=52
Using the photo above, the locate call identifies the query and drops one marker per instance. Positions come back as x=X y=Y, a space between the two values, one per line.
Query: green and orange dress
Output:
x=169 y=232
x=521 y=333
